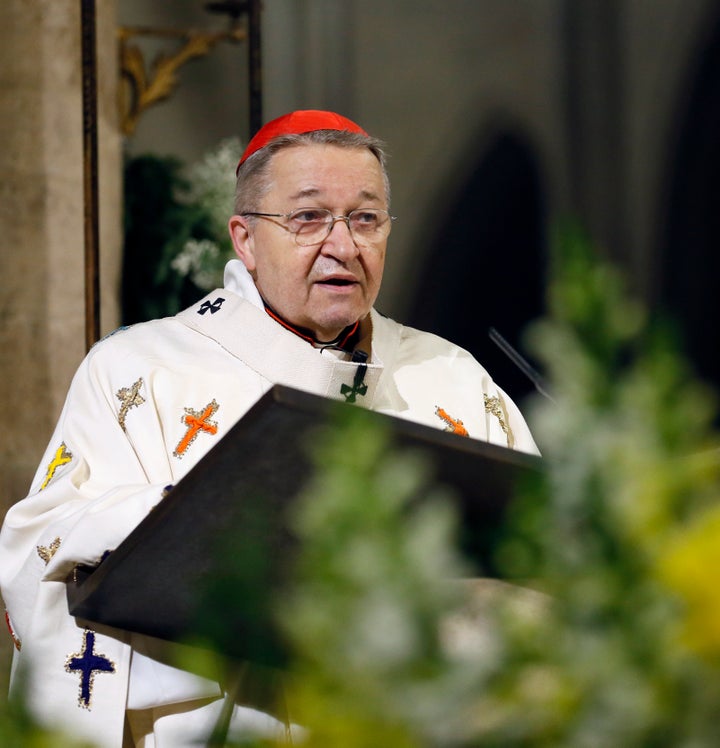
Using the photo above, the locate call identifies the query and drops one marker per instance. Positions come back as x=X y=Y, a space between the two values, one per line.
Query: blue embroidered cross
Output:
x=213 y=307
x=87 y=663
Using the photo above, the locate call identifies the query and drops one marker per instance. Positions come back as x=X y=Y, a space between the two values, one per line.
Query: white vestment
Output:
x=145 y=405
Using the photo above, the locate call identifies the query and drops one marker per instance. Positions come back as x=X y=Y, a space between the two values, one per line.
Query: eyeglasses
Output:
x=313 y=225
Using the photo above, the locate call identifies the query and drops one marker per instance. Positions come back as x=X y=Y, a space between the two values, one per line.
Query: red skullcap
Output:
x=297 y=123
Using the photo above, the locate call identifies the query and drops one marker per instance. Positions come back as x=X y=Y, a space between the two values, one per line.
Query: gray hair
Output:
x=253 y=181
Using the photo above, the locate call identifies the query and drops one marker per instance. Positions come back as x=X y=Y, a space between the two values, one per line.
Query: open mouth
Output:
x=337 y=282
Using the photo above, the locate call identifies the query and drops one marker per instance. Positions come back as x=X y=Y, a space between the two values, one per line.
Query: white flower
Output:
x=212 y=182
x=198 y=260
x=211 y=187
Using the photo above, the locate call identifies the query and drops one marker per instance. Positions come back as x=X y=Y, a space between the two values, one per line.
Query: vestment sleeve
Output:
x=522 y=438
x=89 y=492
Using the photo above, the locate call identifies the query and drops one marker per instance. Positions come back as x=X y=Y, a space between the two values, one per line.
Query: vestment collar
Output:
x=280 y=356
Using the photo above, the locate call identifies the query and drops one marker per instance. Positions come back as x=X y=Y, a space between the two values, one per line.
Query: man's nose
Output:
x=340 y=239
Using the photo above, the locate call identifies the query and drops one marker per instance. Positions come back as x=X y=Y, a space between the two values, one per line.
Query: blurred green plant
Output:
x=631 y=469
x=19 y=730
x=374 y=582
x=211 y=187
x=176 y=238
x=620 y=534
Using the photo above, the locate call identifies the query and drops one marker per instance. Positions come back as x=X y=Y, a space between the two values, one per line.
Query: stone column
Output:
x=42 y=337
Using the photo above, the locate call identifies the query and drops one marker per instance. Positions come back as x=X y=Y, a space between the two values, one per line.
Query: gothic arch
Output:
x=690 y=245
x=486 y=264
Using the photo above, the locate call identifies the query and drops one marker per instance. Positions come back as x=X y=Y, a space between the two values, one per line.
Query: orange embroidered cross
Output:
x=62 y=457
x=196 y=422
x=453 y=424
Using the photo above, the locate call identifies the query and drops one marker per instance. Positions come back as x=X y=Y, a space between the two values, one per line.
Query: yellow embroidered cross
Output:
x=129 y=397
x=62 y=457
x=46 y=552
x=196 y=422
x=454 y=424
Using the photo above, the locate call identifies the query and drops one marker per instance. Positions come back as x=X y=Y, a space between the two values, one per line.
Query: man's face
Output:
x=327 y=286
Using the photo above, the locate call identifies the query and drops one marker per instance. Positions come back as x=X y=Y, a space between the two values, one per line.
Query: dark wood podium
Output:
x=217 y=547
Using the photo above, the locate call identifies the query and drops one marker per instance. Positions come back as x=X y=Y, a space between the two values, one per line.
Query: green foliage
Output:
x=619 y=533
x=176 y=238
x=373 y=583
x=19 y=730
x=211 y=188
x=630 y=457
x=157 y=226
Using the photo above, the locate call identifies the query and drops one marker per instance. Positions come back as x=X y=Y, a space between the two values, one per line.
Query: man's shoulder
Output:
x=150 y=338
x=387 y=330
x=136 y=332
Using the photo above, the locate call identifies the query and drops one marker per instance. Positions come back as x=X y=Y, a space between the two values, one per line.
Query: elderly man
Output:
x=310 y=230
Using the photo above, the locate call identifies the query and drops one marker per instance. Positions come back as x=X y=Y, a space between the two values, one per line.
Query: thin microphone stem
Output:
x=520 y=362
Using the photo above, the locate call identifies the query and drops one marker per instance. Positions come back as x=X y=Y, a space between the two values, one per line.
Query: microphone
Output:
x=520 y=362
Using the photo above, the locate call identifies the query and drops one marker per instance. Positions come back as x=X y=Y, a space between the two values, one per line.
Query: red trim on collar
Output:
x=339 y=342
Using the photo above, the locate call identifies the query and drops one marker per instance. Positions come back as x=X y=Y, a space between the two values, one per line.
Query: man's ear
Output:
x=242 y=240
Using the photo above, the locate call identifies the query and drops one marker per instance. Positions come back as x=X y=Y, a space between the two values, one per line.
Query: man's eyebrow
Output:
x=314 y=192
x=367 y=195
x=308 y=192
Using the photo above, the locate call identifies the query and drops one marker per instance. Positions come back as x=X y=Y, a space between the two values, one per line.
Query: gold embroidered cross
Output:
x=196 y=422
x=494 y=406
x=129 y=397
x=62 y=457
x=46 y=552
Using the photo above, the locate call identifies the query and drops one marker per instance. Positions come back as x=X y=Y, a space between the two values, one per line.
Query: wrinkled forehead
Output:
x=325 y=171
